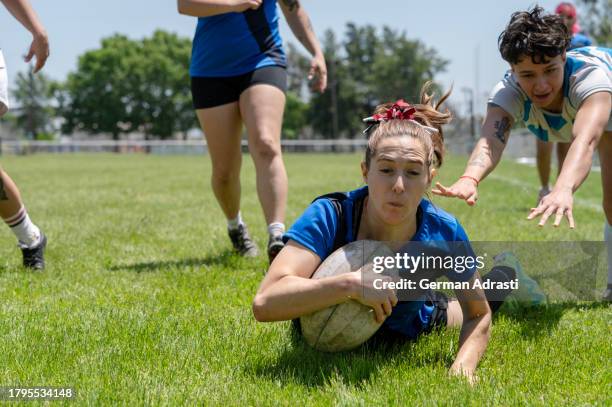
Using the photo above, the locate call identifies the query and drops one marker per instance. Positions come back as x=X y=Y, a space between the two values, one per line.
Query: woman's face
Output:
x=397 y=179
x=543 y=83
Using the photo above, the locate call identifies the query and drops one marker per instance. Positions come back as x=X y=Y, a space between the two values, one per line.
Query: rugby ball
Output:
x=349 y=324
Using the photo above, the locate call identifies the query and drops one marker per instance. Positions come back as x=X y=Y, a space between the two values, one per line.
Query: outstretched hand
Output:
x=464 y=188
x=559 y=202
x=40 y=49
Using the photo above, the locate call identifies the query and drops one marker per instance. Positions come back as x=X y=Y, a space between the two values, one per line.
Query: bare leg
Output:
x=543 y=159
x=222 y=127
x=605 y=160
x=10 y=198
x=262 y=109
x=562 y=149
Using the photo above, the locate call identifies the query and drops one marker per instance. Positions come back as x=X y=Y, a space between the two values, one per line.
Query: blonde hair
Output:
x=427 y=114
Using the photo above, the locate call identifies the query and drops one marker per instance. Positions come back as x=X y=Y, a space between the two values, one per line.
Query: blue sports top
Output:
x=580 y=39
x=233 y=44
x=316 y=228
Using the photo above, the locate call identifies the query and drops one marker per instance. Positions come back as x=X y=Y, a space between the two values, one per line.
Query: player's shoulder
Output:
x=437 y=219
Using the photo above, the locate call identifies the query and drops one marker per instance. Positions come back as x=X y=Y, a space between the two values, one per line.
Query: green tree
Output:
x=129 y=85
x=294 y=119
x=596 y=18
x=366 y=69
x=32 y=96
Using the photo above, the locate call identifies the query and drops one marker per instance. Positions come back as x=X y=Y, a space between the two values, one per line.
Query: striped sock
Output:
x=27 y=232
x=276 y=228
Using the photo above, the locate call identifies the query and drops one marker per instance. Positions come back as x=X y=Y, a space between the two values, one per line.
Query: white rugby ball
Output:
x=349 y=324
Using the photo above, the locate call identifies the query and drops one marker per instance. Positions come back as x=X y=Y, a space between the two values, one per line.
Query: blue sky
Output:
x=458 y=30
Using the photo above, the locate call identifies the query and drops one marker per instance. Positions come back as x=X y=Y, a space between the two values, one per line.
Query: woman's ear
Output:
x=364 y=172
x=432 y=173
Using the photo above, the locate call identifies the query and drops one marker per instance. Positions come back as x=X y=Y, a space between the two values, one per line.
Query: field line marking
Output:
x=582 y=202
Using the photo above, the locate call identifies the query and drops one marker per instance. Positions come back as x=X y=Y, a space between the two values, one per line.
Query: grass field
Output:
x=143 y=301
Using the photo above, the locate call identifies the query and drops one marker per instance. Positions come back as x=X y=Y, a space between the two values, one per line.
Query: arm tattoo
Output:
x=291 y=5
x=502 y=128
x=479 y=161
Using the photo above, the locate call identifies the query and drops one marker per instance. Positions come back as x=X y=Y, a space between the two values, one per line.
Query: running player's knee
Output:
x=224 y=177
x=267 y=148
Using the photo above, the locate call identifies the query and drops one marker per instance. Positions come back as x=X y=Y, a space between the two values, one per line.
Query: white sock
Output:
x=27 y=232
x=608 y=239
x=232 y=224
x=276 y=228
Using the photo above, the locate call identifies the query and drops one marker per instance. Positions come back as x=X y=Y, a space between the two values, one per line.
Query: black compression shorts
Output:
x=210 y=92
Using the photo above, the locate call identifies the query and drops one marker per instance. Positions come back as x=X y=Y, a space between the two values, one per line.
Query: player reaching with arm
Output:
x=559 y=96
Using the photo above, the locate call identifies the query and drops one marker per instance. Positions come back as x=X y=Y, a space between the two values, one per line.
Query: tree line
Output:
x=143 y=86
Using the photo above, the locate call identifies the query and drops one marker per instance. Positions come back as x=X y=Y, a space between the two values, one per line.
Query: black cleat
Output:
x=275 y=245
x=242 y=242
x=34 y=257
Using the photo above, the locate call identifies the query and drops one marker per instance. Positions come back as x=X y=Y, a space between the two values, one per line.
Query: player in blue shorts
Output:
x=560 y=96
x=405 y=148
x=31 y=240
x=544 y=149
x=238 y=76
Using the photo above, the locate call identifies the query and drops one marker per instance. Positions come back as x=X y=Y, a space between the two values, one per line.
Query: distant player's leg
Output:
x=30 y=239
x=262 y=106
x=222 y=127
x=605 y=160
x=543 y=160
x=562 y=149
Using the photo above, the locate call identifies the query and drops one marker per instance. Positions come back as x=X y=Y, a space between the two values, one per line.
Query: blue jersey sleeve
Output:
x=464 y=269
x=316 y=228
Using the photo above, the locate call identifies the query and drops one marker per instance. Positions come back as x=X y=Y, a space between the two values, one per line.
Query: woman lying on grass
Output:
x=405 y=148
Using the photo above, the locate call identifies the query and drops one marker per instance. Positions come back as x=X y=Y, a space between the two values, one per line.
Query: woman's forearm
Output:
x=23 y=12
x=577 y=165
x=589 y=126
x=292 y=297
x=300 y=25
x=473 y=341
x=204 y=8
x=484 y=159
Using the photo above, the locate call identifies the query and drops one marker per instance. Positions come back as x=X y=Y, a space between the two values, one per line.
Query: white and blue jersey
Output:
x=232 y=44
x=587 y=71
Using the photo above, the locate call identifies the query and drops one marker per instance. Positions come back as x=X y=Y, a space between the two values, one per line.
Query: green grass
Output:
x=143 y=301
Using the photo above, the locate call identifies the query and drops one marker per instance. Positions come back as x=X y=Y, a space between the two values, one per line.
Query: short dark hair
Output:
x=533 y=34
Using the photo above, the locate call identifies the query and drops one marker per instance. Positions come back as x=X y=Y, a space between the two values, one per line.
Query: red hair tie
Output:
x=400 y=110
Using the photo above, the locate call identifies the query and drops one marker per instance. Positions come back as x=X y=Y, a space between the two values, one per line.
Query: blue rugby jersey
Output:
x=233 y=44
x=316 y=229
